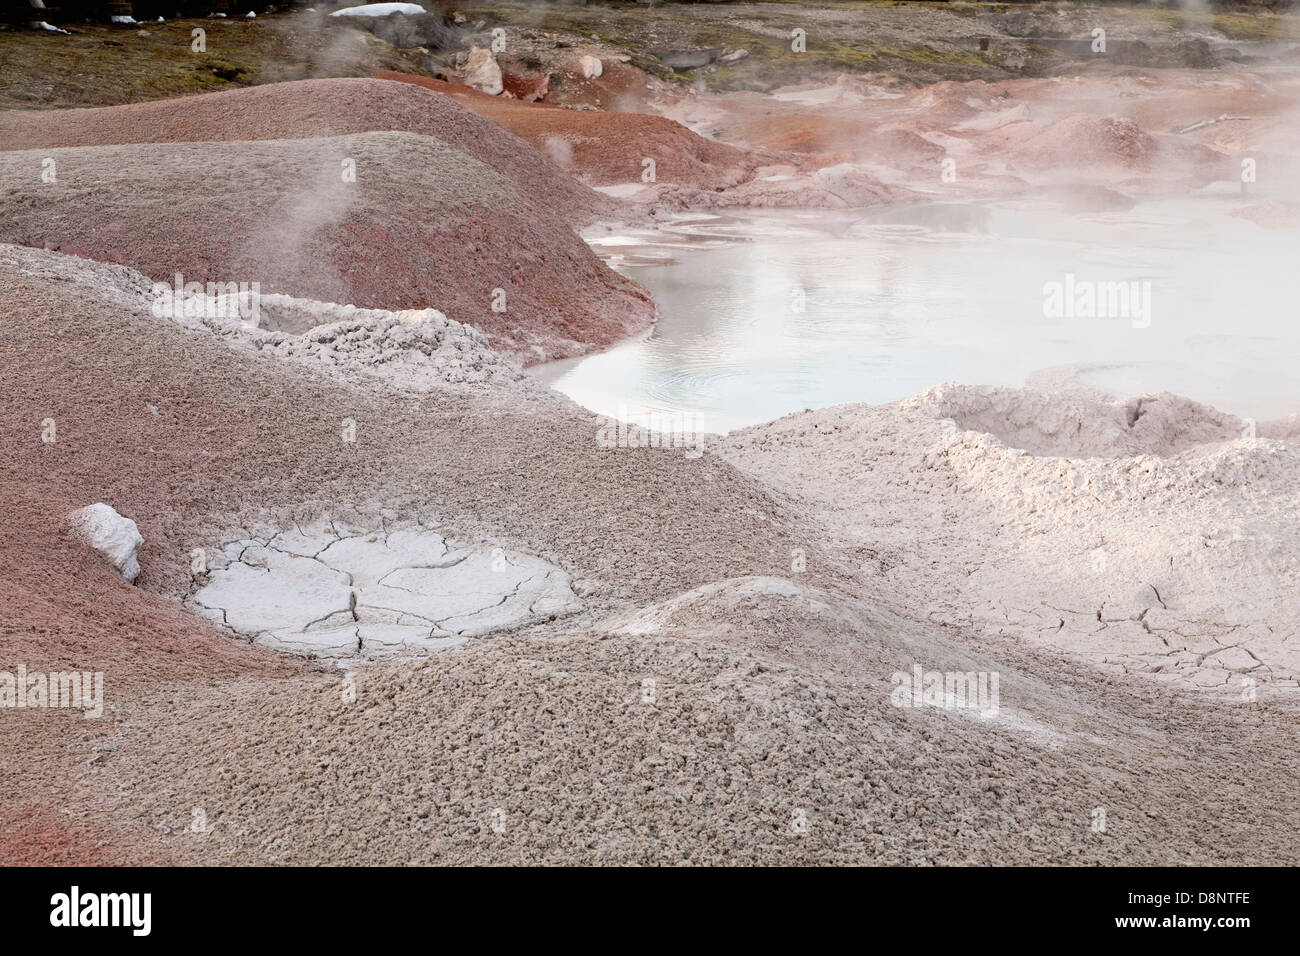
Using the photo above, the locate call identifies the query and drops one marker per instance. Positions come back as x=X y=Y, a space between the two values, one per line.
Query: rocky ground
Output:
x=399 y=603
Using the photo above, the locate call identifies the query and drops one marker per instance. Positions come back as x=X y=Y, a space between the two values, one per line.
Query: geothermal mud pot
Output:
x=329 y=591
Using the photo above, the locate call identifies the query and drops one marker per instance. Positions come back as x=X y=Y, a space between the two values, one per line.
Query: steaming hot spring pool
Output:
x=766 y=313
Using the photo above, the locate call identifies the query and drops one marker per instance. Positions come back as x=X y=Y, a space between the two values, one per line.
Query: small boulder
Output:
x=590 y=67
x=116 y=538
x=482 y=72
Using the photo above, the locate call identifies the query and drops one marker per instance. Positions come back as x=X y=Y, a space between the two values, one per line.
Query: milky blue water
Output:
x=762 y=314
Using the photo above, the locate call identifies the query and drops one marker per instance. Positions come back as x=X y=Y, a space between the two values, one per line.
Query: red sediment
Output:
x=530 y=88
x=35 y=836
x=446 y=210
x=607 y=148
x=300 y=110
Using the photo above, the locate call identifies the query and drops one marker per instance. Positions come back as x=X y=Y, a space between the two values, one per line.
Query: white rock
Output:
x=590 y=67
x=116 y=538
x=482 y=72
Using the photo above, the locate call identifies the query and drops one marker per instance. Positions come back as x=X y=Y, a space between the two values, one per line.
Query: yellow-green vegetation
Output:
x=104 y=66
x=925 y=54
x=1236 y=25
x=831 y=46
x=1246 y=26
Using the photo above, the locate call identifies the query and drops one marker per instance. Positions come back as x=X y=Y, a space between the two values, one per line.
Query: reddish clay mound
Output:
x=807 y=134
x=1093 y=141
x=606 y=149
x=424 y=225
x=1105 y=145
x=300 y=110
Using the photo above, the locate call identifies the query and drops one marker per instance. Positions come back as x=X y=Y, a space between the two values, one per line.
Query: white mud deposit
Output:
x=415 y=349
x=329 y=591
x=1152 y=535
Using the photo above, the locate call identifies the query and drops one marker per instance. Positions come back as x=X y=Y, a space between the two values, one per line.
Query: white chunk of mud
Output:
x=324 y=592
x=590 y=67
x=115 y=537
x=416 y=348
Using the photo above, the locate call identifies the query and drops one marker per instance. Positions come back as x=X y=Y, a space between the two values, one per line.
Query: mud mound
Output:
x=306 y=109
x=650 y=750
x=190 y=437
x=948 y=102
x=416 y=350
x=424 y=225
x=1150 y=535
x=842 y=186
x=1083 y=424
x=1109 y=146
x=1090 y=141
x=1087 y=198
x=606 y=149
x=826 y=633
x=799 y=134
x=1283 y=429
